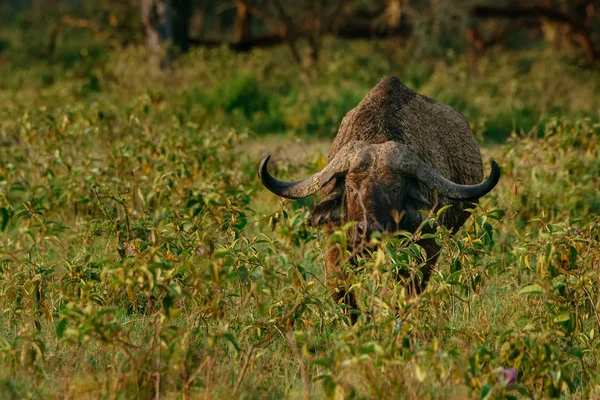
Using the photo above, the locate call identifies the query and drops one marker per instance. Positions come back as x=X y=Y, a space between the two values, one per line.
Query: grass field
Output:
x=140 y=257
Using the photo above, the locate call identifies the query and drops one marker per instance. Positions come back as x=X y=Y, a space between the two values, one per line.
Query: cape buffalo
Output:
x=392 y=154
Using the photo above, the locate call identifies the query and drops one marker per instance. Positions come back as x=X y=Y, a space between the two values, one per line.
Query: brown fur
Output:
x=436 y=132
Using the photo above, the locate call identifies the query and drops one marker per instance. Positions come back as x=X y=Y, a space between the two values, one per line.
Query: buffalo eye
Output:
x=397 y=191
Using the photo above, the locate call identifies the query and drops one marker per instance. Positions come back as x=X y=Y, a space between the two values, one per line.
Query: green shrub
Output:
x=134 y=257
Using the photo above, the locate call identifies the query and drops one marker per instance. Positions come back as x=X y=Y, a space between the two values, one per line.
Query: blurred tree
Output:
x=561 y=22
x=166 y=22
x=182 y=11
x=157 y=22
x=429 y=28
x=243 y=22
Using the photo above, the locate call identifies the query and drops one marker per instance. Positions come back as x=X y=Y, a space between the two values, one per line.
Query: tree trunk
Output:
x=475 y=46
x=578 y=27
x=393 y=13
x=156 y=20
x=182 y=11
x=290 y=32
x=314 y=38
x=243 y=22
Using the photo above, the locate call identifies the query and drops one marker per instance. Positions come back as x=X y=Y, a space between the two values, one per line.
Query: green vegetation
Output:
x=138 y=251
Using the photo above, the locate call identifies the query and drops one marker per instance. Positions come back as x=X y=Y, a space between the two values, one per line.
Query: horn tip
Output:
x=495 y=169
x=494 y=177
x=262 y=168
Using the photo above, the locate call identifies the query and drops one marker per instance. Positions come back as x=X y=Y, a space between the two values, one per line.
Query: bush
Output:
x=133 y=257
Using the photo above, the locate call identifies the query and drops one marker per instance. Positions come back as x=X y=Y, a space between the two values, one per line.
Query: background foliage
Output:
x=140 y=257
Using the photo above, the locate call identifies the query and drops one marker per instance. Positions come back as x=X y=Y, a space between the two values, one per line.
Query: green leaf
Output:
x=60 y=328
x=232 y=340
x=453 y=278
x=572 y=256
x=486 y=391
x=564 y=316
x=323 y=362
x=371 y=348
x=496 y=213
x=167 y=304
x=576 y=352
x=5 y=218
x=521 y=390
x=532 y=289
x=456 y=265
x=489 y=229
x=442 y=210
x=548 y=252
x=175 y=290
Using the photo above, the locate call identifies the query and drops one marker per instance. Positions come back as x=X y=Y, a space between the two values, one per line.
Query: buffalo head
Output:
x=379 y=186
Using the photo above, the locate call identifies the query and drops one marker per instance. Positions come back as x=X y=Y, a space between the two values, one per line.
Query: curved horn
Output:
x=456 y=191
x=339 y=166
x=407 y=162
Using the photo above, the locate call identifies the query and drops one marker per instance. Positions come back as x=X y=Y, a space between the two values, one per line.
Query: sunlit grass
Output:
x=139 y=252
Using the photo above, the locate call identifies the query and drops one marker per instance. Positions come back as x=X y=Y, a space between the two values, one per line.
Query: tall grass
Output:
x=137 y=258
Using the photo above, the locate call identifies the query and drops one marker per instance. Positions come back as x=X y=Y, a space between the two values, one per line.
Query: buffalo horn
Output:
x=339 y=166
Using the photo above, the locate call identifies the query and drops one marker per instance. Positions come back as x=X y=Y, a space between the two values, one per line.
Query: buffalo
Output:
x=396 y=154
